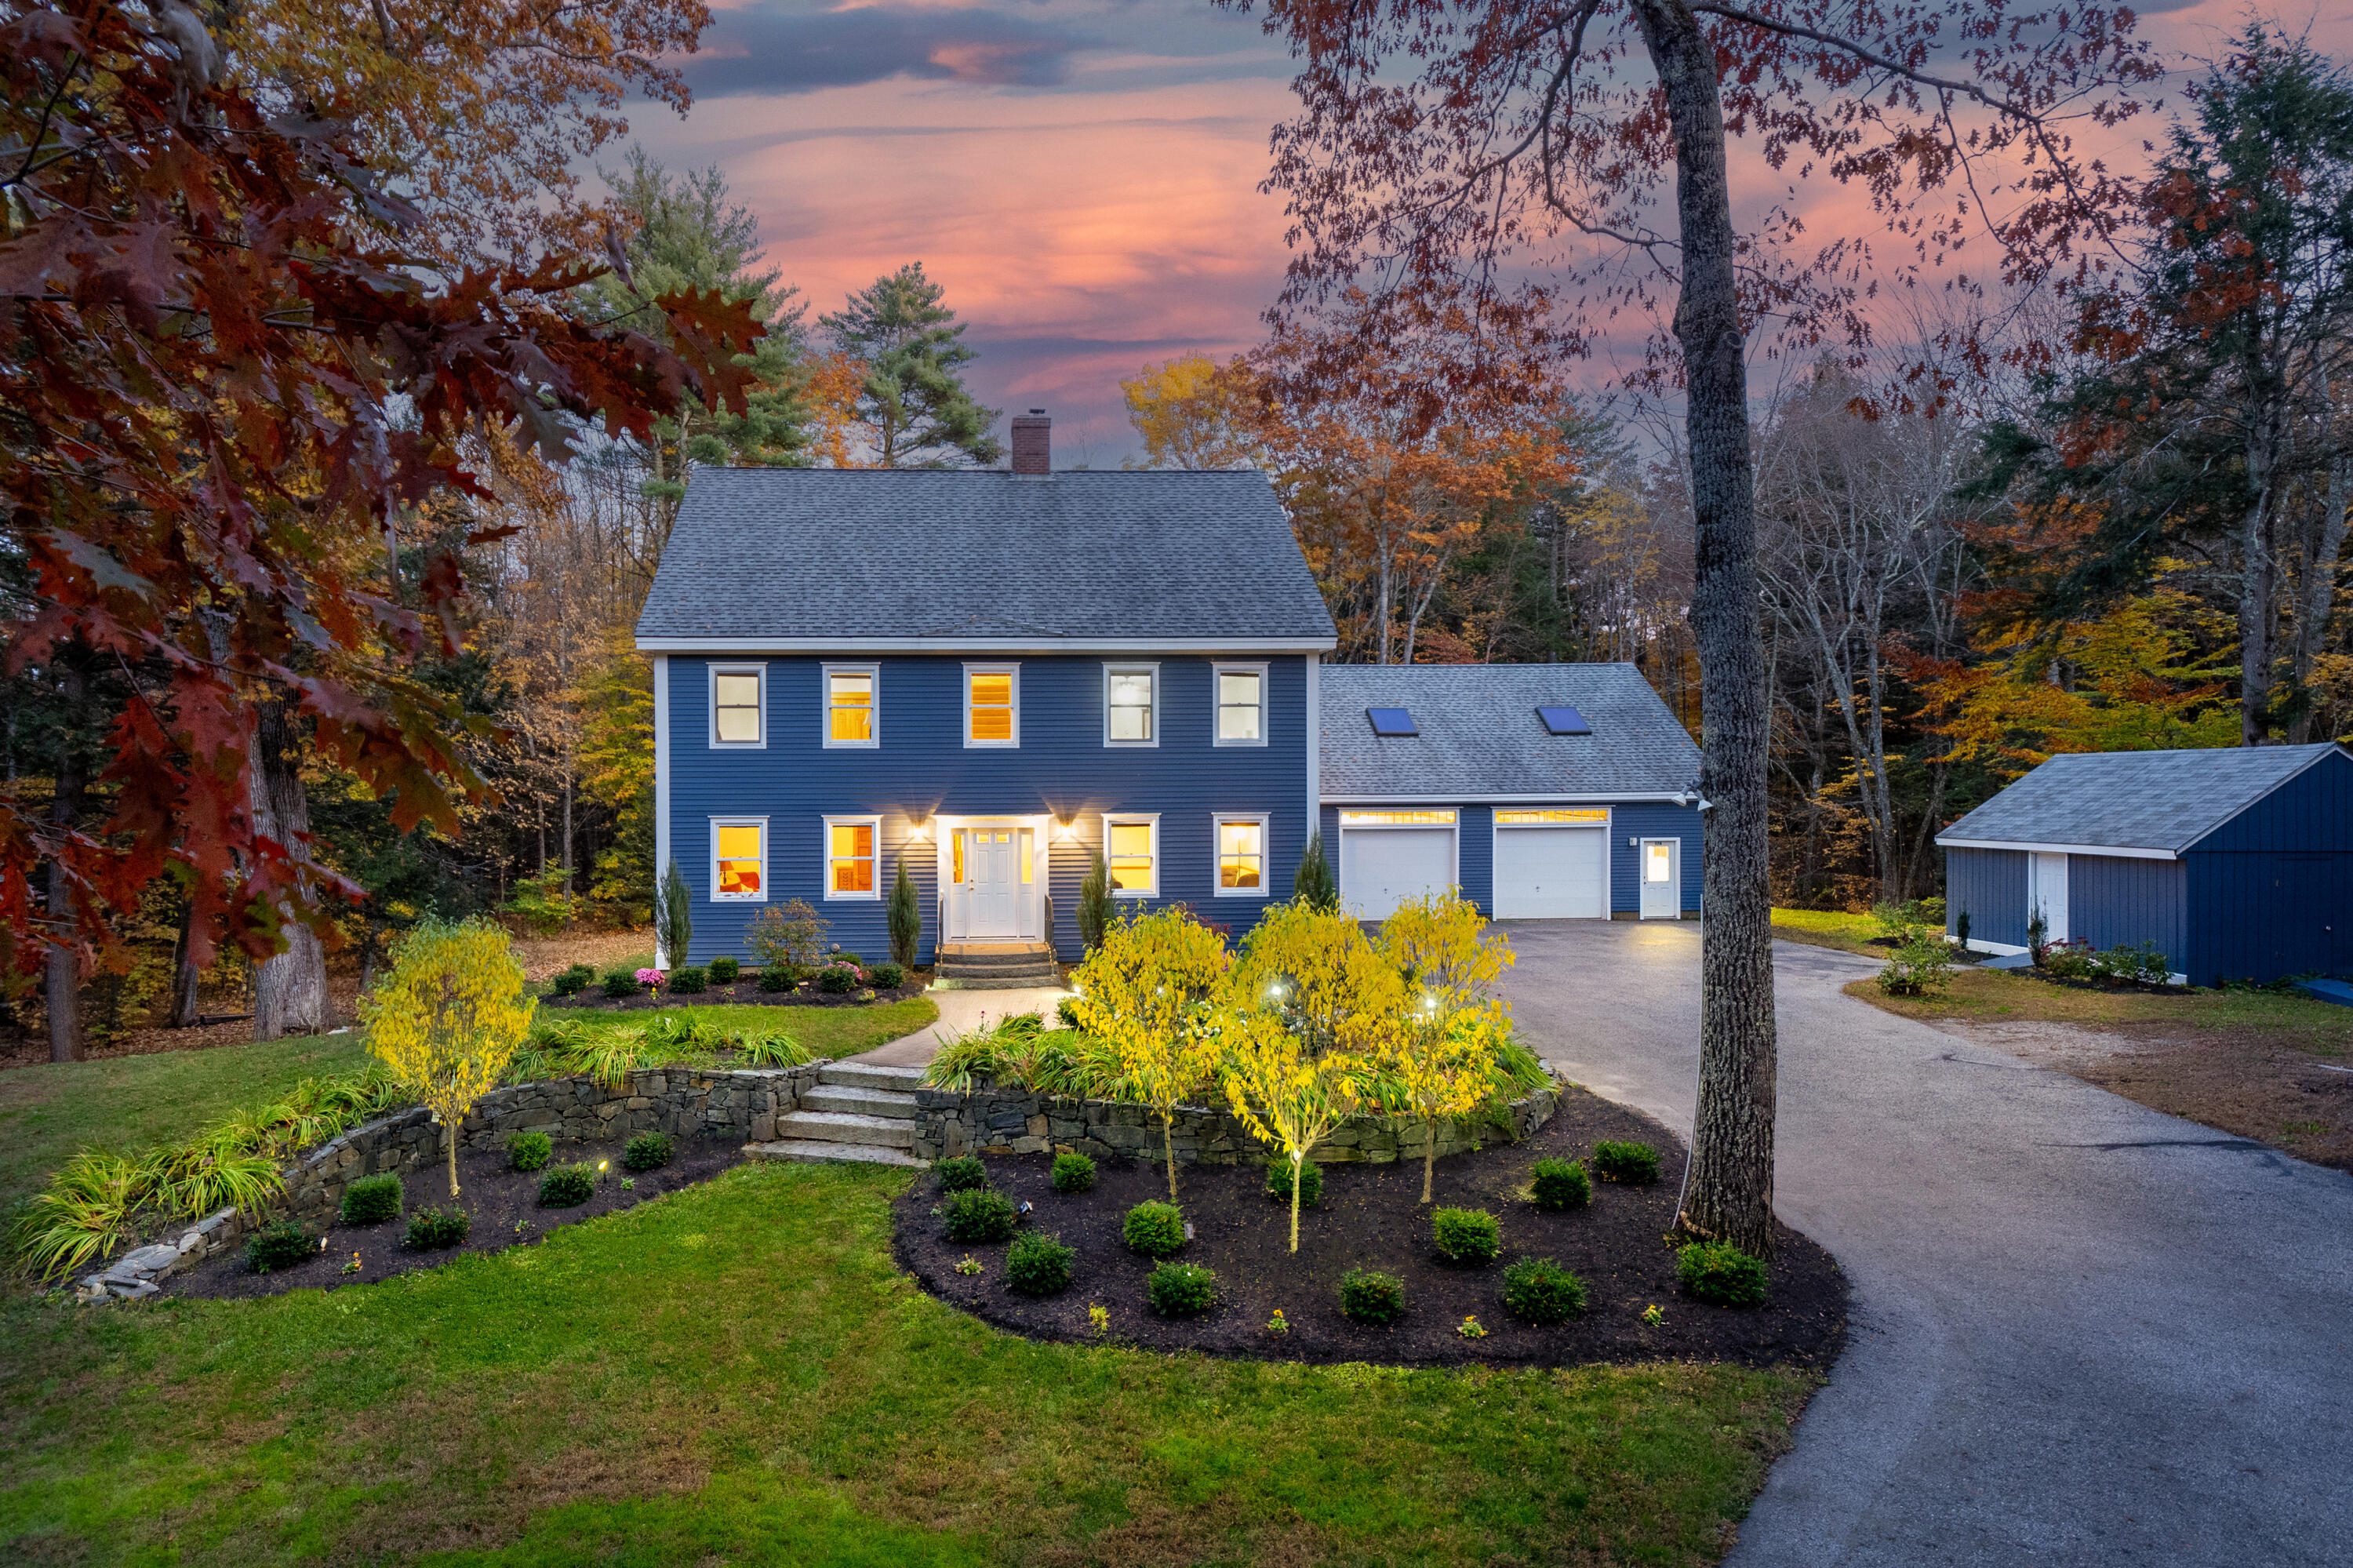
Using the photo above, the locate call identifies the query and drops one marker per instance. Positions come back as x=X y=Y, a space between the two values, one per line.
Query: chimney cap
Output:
x=1037 y=410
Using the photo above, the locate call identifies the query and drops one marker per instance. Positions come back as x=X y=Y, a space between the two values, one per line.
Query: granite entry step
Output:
x=856 y=1113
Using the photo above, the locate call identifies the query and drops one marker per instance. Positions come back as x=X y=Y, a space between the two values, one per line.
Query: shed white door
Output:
x=1662 y=879
x=1552 y=873
x=2046 y=889
x=1381 y=867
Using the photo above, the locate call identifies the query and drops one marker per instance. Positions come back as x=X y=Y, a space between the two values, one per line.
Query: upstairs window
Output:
x=1132 y=850
x=1241 y=857
x=849 y=704
x=1242 y=704
x=739 y=858
x=850 y=843
x=1131 y=696
x=738 y=704
x=992 y=705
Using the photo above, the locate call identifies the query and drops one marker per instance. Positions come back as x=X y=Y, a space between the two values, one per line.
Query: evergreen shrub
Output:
x=1720 y=1272
x=567 y=1186
x=1311 y=1181
x=529 y=1150
x=430 y=1230
x=977 y=1214
x=1541 y=1291
x=648 y=1151
x=959 y=1172
x=1073 y=1172
x=372 y=1199
x=1037 y=1264
x=1368 y=1295
x=1153 y=1228
x=1561 y=1185
x=1182 y=1289
x=691 y=980
x=1631 y=1163
x=281 y=1244
x=1466 y=1235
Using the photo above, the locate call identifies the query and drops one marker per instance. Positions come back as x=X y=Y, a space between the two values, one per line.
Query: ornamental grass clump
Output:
x=648 y=1151
x=977 y=1214
x=449 y=1018
x=959 y=1172
x=529 y=1150
x=281 y=1244
x=1368 y=1295
x=1279 y=1177
x=1073 y=1172
x=1182 y=1289
x=371 y=1201
x=1635 y=1163
x=567 y=1186
x=1720 y=1272
x=774 y=1049
x=435 y=1230
x=1561 y=1185
x=1471 y=1236
x=1155 y=1229
x=1037 y=1264
x=1538 y=1290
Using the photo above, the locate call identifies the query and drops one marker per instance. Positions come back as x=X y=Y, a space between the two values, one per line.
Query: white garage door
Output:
x=1551 y=873
x=1380 y=867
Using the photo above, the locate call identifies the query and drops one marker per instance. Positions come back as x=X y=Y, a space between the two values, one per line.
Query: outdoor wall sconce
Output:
x=1065 y=828
x=919 y=830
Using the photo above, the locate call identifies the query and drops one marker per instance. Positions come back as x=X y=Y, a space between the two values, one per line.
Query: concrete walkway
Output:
x=2082 y=1332
x=959 y=1011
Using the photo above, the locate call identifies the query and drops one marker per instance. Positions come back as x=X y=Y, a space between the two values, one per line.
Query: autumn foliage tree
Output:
x=1145 y=991
x=449 y=1018
x=1437 y=1058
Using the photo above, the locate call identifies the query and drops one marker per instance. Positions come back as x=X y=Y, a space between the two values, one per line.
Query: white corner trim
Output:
x=1314 y=748
x=661 y=786
x=2118 y=852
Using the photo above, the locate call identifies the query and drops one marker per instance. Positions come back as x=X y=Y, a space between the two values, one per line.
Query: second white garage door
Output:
x=1552 y=873
x=1381 y=867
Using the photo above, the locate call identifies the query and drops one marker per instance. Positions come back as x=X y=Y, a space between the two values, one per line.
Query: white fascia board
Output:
x=2120 y=851
x=733 y=645
x=1516 y=798
x=1999 y=950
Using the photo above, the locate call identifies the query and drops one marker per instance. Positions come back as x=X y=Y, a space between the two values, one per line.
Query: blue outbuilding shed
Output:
x=2238 y=863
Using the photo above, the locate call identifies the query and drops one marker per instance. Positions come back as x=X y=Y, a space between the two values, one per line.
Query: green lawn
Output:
x=1829 y=929
x=739 y=1374
x=2019 y=996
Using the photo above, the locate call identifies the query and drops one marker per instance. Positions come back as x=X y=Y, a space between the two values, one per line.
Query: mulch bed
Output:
x=1372 y=1216
x=504 y=1204
x=742 y=993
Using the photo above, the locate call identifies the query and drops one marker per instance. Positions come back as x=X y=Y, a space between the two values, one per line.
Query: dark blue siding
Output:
x=1990 y=886
x=1478 y=856
x=2270 y=892
x=1061 y=769
x=1653 y=819
x=2113 y=902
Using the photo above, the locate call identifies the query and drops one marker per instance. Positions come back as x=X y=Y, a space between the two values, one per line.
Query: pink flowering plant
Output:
x=656 y=978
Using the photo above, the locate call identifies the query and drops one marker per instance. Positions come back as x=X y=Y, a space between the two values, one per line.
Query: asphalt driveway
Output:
x=2082 y=1332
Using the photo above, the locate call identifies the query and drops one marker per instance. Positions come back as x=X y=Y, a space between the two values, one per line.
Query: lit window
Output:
x=1242 y=707
x=739 y=858
x=850 y=706
x=735 y=707
x=1241 y=857
x=1658 y=862
x=992 y=707
x=1553 y=814
x=1397 y=818
x=1129 y=693
x=850 y=857
x=1132 y=850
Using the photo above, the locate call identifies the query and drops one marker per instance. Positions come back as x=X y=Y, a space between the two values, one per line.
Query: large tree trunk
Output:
x=64 y=966
x=187 y=980
x=2257 y=581
x=290 y=988
x=2324 y=548
x=1729 y=1191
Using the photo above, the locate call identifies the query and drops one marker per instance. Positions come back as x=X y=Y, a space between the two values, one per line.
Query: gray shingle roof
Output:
x=1481 y=736
x=2133 y=800
x=978 y=555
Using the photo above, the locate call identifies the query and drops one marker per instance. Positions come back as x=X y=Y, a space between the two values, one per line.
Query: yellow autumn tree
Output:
x=1195 y=413
x=1438 y=1060
x=1291 y=1098
x=449 y=1018
x=1335 y=987
x=1145 y=994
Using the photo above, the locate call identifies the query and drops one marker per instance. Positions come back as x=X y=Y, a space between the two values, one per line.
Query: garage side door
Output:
x=1381 y=867
x=1551 y=873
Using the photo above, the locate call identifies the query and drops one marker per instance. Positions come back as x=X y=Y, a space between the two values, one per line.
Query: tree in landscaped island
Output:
x=673 y=917
x=1334 y=988
x=1314 y=886
x=1436 y=1060
x=906 y=917
x=1290 y=1098
x=1145 y=992
x=911 y=410
x=449 y=1018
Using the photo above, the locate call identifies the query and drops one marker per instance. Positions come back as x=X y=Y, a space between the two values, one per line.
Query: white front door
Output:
x=1552 y=873
x=992 y=875
x=1382 y=867
x=2046 y=889
x=1662 y=879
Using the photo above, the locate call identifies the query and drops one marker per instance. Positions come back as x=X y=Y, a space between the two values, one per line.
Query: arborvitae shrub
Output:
x=1182 y=1289
x=689 y=982
x=977 y=1214
x=1562 y=1184
x=529 y=1150
x=1073 y=1172
x=648 y=1151
x=281 y=1244
x=1311 y=1181
x=1037 y=1264
x=958 y=1171
x=886 y=977
x=724 y=970
x=567 y=1186
x=1370 y=1297
x=1466 y=1235
x=779 y=977
x=429 y=1230
x=1155 y=1229
x=1721 y=1273
x=1542 y=1291
x=372 y=1199
x=1634 y=1162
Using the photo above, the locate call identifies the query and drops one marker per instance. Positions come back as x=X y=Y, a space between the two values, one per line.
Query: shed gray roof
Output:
x=2161 y=802
x=980 y=558
x=1480 y=738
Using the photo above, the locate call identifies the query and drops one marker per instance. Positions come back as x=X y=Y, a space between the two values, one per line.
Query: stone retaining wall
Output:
x=1019 y=1122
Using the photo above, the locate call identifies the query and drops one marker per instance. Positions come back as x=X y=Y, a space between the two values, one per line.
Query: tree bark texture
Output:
x=63 y=979
x=1729 y=1194
x=290 y=988
x=2258 y=579
x=187 y=980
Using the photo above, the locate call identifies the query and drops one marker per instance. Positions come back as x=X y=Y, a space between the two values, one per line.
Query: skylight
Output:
x=1563 y=720
x=1391 y=721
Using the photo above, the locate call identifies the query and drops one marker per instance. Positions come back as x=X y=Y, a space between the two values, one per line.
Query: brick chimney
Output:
x=1033 y=444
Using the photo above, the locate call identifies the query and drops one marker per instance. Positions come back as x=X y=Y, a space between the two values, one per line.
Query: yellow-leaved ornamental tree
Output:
x=1438 y=1060
x=449 y=1018
x=1334 y=987
x=1290 y=1097
x=1145 y=991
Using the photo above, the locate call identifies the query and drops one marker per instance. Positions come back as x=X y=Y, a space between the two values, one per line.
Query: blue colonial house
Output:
x=2237 y=863
x=990 y=677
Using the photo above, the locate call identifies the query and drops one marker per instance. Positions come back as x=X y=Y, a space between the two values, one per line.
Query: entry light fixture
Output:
x=1065 y=828
x=919 y=830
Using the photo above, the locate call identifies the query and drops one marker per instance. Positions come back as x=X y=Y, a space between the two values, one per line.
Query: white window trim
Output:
x=969 y=671
x=824 y=860
x=1152 y=820
x=1217 y=820
x=712 y=865
x=1265 y=703
x=826 y=673
x=1149 y=668
x=711 y=705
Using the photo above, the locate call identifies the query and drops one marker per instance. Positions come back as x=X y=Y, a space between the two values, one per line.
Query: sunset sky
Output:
x=1082 y=174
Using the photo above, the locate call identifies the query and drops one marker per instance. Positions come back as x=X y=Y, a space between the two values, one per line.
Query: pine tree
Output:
x=1313 y=885
x=912 y=410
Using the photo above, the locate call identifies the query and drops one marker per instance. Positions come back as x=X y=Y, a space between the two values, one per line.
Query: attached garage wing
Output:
x=1381 y=866
x=1552 y=872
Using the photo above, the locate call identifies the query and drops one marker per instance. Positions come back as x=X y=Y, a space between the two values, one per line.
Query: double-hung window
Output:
x=1130 y=704
x=1240 y=718
x=1241 y=855
x=739 y=859
x=1132 y=850
x=992 y=705
x=852 y=703
x=739 y=704
x=850 y=857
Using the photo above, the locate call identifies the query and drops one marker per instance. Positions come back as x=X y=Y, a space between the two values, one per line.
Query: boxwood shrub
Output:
x=648 y=1151
x=1370 y=1297
x=1153 y=1228
x=1182 y=1289
x=691 y=980
x=886 y=977
x=1541 y=1291
x=429 y=1230
x=372 y=1199
x=529 y=1150
x=573 y=981
x=977 y=1214
x=1633 y=1162
x=779 y=977
x=1073 y=1172
x=567 y=1186
x=958 y=1171
x=281 y=1244
x=622 y=982
x=1721 y=1273
x=1037 y=1264
x=723 y=971
x=1311 y=1181
x=836 y=980
x=1466 y=1235
x=1561 y=1185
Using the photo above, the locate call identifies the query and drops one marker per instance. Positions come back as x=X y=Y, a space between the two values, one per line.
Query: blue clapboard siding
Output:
x=2270 y=892
x=1061 y=769
x=1991 y=886
x=2113 y=902
x=1476 y=846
